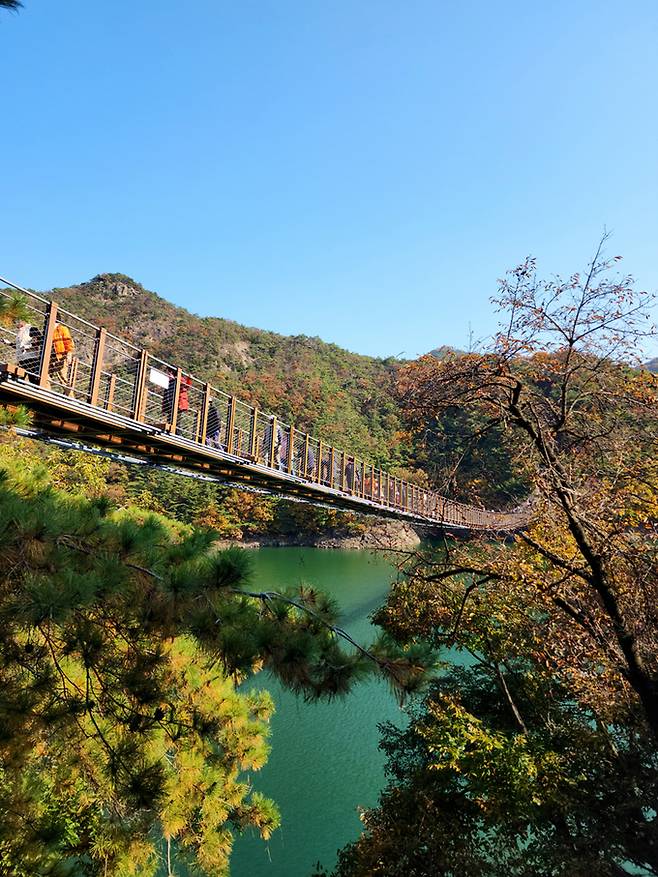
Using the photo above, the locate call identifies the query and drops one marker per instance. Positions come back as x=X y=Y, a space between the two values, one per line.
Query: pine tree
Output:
x=122 y=636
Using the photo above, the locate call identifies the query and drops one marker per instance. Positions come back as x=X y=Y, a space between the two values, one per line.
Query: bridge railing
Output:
x=112 y=374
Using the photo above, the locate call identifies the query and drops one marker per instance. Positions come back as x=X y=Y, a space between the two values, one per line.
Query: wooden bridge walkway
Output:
x=94 y=387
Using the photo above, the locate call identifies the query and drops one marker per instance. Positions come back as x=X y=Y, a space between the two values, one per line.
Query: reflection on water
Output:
x=324 y=763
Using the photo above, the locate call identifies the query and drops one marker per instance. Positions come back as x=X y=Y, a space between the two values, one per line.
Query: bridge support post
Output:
x=111 y=387
x=272 y=448
x=230 y=427
x=47 y=345
x=318 y=475
x=253 y=432
x=342 y=471
x=331 y=467
x=97 y=367
x=305 y=473
x=203 y=419
x=291 y=450
x=174 y=402
x=139 y=396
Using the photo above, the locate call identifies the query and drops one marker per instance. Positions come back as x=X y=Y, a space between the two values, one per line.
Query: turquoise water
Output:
x=324 y=763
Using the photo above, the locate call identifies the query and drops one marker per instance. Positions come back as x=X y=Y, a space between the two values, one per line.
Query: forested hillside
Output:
x=347 y=399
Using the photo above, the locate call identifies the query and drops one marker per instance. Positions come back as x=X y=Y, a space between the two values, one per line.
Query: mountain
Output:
x=652 y=365
x=347 y=399
x=444 y=351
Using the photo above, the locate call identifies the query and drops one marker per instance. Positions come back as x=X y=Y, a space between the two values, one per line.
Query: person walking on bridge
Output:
x=183 y=404
x=213 y=427
x=283 y=449
x=28 y=349
x=22 y=340
x=62 y=354
x=168 y=400
x=352 y=476
x=269 y=437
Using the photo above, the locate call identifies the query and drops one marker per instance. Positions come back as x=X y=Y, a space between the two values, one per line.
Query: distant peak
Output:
x=444 y=351
x=116 y=285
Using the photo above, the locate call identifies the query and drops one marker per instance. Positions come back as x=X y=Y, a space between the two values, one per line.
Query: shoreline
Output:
x=384 y=536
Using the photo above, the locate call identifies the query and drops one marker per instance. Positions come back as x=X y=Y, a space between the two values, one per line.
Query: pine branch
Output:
x=267 y=596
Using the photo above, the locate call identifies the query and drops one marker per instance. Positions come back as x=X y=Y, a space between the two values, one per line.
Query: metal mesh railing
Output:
x=120 y=370
x=94 y=367
x=266 y=431
x=157 y=396
x=240 y=439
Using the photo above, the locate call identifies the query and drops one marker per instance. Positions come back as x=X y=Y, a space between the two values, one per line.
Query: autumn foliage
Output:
x=539 y=755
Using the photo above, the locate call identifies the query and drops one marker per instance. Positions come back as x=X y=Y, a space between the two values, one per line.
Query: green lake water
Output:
x=324 y=762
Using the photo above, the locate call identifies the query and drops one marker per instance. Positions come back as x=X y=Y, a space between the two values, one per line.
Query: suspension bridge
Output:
x=90 y=389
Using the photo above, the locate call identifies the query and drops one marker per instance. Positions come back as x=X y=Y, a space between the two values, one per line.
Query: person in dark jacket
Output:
x=283 y=450
x=168 y=397
x=349 y=473
x=267 y=442
x=213 y=427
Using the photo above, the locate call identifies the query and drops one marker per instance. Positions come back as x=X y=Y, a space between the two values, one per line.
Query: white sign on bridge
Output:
x=160 y=379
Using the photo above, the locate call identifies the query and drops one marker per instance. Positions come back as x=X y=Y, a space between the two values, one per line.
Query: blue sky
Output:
x=362 y=171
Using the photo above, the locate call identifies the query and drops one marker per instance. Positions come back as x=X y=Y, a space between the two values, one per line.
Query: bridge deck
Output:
x=108 y=392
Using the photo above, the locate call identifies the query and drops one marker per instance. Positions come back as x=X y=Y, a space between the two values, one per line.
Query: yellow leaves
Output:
x=213 y=853
x=495 y=766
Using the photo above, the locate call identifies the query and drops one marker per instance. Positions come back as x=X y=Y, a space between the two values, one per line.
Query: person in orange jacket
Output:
x=62 y=353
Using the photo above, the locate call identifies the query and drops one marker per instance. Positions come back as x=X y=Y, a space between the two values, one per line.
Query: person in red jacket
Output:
x=182 y=421
x=183 y=402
